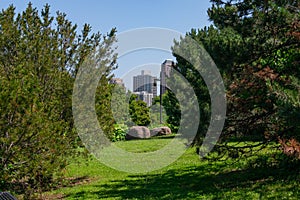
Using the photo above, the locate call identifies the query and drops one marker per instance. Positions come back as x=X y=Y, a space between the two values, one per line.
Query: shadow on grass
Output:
x=192 y=183
x=164 y=136
x=171 y=136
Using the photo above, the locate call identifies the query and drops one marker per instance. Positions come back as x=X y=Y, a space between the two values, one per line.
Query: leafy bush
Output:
x=120 y=131
x=139 y=112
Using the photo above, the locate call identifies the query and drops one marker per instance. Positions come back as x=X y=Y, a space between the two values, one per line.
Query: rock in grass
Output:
x=138 y=132
x=161 y=131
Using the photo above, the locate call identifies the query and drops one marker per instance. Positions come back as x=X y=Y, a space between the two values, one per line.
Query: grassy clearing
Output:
x=187 y=178
x=146 y=145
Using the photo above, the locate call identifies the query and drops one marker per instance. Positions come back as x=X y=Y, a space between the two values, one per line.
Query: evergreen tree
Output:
x=40 y=56
x=255 y=45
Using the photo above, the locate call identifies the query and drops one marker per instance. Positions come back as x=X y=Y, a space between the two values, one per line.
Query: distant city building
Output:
x=145 y=96
x=117 y=81
x=146 y=72
x=166 y=68
x=145 y=82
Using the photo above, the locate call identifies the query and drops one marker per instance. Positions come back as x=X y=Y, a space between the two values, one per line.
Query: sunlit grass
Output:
x=187 y=178
x=146 y=145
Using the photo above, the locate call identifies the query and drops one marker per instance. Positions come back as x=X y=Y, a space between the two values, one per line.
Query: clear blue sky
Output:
x=102 y=15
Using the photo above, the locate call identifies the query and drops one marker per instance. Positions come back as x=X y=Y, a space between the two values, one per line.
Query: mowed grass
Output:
x=146 y=145
x=186 y=178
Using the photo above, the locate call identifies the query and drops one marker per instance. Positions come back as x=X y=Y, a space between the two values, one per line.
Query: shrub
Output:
x=120 y=131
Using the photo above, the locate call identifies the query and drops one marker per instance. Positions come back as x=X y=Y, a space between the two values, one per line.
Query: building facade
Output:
x=145 y=96
x=145 y=82
x=166 y=68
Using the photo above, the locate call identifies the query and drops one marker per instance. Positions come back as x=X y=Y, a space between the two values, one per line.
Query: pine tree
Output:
x=40 y=56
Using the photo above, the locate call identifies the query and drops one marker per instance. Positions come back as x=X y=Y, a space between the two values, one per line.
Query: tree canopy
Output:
x=255 y=45
x=40 y=56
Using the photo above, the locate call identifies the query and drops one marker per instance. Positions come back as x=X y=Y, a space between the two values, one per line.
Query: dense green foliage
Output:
x=139 y=111
x=255 y=45
x=40 y=56
x=120 y=104
x=103 y=99
x=172 y=107
x=171 y=114
x=261 y=67
x=120 y=131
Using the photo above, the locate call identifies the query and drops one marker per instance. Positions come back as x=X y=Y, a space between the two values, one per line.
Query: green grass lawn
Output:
x=187 y=178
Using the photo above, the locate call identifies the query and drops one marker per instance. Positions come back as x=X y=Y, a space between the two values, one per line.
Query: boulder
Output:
x=138 y=132
x=161 y=131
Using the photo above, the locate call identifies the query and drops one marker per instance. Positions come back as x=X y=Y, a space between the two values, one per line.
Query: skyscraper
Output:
x=144 y=86
x=145 y=96
x=145 y=83
x=166 y=68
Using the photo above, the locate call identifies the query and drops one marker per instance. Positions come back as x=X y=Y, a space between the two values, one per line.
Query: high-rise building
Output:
x=145 y=82
x=145 y=96
x=165 y=72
